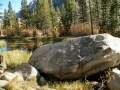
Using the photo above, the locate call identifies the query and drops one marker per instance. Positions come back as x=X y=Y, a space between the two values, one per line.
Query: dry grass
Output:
x=15 y=58
x=73 y=85
x=82 y=29
x=11 y=85
x=15 y=85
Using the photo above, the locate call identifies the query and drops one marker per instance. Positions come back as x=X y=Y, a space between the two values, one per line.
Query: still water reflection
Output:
x=28 y=45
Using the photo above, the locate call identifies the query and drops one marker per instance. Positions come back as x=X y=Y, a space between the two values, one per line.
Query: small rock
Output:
x=42 y=81
x=2 y=89
x=20 y=77
x=113 y=82
x=8 y=76
x=3 y=83
x=27 y=71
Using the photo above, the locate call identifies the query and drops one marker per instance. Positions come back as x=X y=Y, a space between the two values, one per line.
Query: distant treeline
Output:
x=75 y=17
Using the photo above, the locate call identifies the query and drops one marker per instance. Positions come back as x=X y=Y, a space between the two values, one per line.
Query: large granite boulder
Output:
x=79 y=57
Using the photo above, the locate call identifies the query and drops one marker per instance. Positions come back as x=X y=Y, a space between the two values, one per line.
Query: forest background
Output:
x=73 y=18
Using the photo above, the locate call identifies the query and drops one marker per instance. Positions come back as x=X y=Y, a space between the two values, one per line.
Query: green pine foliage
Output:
x=83 y=11
x=25 y=14
x=96 y=13
x=54 y=15
x=113 y=26
x=43 y=19
x=68 y=13
x=6 y=21
x=10 y=14
x=104 y=15
x=10 y=18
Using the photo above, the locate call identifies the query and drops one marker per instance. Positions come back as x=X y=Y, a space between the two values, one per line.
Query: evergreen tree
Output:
x=70 y=7
x=43 y=18
x=113 y=26
x=96 y=12
x=63 y=13
x=105 y=14
x=33 y=18
x=25 y=14
x=54 y=15
x=10 y=14
x=6 y=21
x=83 y=11
x=58 y=13
x=1 y=12
x=16 y=25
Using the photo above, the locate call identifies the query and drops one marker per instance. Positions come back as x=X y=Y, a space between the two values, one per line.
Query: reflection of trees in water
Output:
x=29 y=45
x=25 y=45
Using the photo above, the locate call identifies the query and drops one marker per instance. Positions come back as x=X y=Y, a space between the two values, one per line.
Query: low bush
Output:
x=9 y=31
x=31 y=32
x=82 y=29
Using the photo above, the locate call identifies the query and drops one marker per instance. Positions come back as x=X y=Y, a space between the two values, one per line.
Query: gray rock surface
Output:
x=79 y=57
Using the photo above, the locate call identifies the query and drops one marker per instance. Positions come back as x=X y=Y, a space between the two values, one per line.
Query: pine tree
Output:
x=1 y=12
x=25 y=14
x=83 y=11
x=10 y=14
x=63 y=13
x=43 y=18
x=105 y=14
x=47 y=17
x=113 y=26
x=68 y=17
x=6 y=21
x=33 y=18
x=58 y=13
x=54 y=15
x=16 y=25
x=96 y=13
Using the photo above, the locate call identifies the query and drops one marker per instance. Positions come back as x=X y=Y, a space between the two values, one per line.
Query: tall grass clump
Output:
x=15 y=58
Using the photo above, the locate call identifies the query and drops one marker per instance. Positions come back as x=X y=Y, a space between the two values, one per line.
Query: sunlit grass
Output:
x=69 y=85
x=11 y=85
x=15 y=58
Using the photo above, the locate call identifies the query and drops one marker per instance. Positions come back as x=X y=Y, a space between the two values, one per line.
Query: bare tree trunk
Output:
x=91 y=17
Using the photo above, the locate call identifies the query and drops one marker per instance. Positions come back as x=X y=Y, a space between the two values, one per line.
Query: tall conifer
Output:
x=25 y=14
x=53 y=15
x=10 y=14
